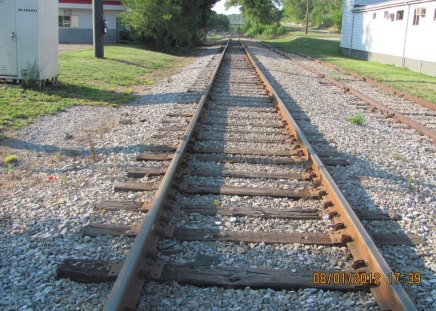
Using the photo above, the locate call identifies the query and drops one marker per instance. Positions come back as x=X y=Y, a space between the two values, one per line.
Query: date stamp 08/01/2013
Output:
x=364 y=278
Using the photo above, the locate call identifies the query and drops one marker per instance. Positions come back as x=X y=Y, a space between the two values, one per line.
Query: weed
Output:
x=10 y=159
x=336 y=76
x=357 y=119
x=10 y=168
x=216 y=203
x=398 y=157
x=409 y=182
x=30 y=75
x=58 y=156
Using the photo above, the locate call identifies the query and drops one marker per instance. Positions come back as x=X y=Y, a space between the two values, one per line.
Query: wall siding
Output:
x=421 y=39
x=347 y=19
x=83 y=34
x=381 y=36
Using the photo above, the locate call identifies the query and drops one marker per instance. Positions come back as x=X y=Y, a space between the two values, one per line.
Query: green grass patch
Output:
x=10 y=159
x=326 y=47
x=357 y=119
x=85 y=80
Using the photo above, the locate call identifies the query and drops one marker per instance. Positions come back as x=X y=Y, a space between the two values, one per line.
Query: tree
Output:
x=168 y=23
x=258 y=11
x=295 y=10
x=327 y=13
x=218 y=22
x=322 y=13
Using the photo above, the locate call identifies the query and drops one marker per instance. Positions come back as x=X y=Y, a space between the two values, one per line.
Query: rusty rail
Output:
x=373 y=103
x=134 y=272
x=140 y=266
x=414 y=99
x=362 y=247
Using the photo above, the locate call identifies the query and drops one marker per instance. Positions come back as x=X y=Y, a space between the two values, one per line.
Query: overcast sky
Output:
x=220 y=9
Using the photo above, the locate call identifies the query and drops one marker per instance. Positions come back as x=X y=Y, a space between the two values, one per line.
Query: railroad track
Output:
x=372 y=96
x=241 y=160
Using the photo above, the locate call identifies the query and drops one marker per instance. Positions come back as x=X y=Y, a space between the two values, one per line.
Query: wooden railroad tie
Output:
x=201 y=274
x=204 y=235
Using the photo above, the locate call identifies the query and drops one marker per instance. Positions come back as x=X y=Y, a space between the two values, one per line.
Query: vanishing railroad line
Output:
x=241 y=141
x=414 y=112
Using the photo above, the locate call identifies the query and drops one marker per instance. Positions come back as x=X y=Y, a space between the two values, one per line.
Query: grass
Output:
x=357 y=119
x=397 y=157
x=409 y=182
x=85 y=80
x=326 y=47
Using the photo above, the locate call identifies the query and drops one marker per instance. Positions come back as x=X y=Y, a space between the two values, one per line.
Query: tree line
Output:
x=169 y=23
x=176 y=23
x=322 y=13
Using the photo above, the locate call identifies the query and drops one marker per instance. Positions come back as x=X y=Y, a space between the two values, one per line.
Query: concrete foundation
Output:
x=428 y=68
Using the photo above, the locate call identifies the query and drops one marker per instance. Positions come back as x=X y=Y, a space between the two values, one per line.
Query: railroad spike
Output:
x=359 y=263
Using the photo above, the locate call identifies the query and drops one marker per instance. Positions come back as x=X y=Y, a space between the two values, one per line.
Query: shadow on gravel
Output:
x=407 y=259
x=82 y=152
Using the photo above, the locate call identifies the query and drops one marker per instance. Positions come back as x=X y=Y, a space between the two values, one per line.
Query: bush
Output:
x=263 y=31
x=272 y=31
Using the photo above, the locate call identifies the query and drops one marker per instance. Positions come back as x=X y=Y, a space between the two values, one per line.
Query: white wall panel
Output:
x=384 y=36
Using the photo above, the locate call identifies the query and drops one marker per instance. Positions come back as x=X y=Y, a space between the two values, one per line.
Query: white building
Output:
x=75 y=20
x=398 y=32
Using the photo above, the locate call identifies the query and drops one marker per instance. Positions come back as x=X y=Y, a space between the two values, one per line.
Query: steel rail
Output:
x=128 y=286
x=417 y=100
x=362 y=247
x=377 y=105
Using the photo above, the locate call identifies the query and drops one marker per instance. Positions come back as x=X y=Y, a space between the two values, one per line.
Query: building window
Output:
x=416 y=17
x=374 y=15
x=400 y=15
x=419 y=12
x=434 y=18
x=422 y=12
x=65 y=21
x=69 y=21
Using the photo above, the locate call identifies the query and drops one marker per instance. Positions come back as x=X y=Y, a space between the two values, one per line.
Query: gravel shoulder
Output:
x=68 y=162
x=391 y=167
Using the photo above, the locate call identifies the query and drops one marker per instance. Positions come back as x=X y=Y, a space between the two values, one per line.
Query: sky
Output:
x=220 y=9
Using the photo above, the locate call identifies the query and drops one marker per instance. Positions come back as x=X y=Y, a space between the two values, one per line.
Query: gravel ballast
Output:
x=391 y=167
x=72 y=160
x=68 y=162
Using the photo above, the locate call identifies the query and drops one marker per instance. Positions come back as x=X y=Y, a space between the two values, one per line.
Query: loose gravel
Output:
x=391 y=167
x=67 y=166
x=68 y=162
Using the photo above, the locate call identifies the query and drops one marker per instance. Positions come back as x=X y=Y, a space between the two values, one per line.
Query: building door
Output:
x=8 y=39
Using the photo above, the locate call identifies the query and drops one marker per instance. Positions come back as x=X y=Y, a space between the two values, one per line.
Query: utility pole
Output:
x=98 y=31
x=307 y=16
